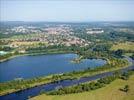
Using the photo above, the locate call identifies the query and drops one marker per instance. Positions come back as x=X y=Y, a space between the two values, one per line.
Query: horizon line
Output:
x=69 y=21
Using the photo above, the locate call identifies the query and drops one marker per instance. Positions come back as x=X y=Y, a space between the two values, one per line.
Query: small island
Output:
x=77 y=60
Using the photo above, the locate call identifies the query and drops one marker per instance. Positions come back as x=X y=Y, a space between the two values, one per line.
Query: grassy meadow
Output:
x=124 y=46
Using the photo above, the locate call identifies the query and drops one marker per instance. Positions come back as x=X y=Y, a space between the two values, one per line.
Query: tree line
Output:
x=92 y=85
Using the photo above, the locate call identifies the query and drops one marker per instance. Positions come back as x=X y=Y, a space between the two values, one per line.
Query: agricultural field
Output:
x=124 y=46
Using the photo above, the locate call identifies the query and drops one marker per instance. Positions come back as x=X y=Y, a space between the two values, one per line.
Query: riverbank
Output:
x=13 y=86
x=108 y=92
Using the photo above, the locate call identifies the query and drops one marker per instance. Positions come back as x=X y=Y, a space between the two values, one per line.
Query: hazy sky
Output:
x=67 y=10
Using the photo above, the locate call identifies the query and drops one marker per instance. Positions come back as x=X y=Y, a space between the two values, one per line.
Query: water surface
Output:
x=24 y=94
x=42 y=65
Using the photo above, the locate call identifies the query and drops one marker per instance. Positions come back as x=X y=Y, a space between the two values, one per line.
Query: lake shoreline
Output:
x=34 y=54
x=63 y=80
x=50 y=81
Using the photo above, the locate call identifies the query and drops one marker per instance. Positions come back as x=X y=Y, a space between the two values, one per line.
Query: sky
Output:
x=66 y=10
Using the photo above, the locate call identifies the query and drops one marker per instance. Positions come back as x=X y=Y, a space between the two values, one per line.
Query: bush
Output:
x=125 y=89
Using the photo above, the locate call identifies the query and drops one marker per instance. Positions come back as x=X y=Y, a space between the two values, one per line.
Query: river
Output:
x=24 y=94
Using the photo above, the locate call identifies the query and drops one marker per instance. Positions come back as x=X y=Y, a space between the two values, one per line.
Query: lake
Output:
x=24 y=94
x=42 y=65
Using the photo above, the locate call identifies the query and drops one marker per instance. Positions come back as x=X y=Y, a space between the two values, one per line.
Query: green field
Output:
x=124 y=46
x=110 y=92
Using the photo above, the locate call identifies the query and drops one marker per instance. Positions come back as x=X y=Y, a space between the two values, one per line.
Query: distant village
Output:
x=31 y=36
